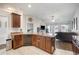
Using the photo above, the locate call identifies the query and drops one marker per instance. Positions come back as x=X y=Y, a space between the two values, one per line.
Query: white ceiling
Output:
x=62 y=12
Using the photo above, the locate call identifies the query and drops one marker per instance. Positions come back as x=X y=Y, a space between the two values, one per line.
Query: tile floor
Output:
x=62 y=48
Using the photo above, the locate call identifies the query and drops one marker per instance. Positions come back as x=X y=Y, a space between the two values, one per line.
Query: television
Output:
x=42 y=27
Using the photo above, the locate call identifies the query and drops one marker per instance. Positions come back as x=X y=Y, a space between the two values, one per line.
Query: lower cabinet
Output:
x=44 y=43
x=34 y=40
x=49 y=45
x=75 y=49
x=17 y=41
x=37 y=41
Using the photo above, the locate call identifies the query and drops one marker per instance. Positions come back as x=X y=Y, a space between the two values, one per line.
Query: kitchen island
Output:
x=44 y=42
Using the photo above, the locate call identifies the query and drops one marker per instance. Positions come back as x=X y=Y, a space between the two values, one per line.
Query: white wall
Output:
x=4 y=29
x=36 y=23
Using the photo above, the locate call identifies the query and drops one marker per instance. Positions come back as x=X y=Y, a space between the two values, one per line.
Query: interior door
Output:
x=3 y=29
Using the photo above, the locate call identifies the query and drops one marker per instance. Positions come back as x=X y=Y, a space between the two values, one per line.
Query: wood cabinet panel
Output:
x=44 y=43
x=37 y=41
x=48 y=44
x=34 y=40
x=15 y=20
x=17 y=41
x=75 y=49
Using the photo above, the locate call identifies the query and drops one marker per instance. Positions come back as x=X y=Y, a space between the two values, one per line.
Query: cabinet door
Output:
x=15 y=20
x=53 y=43
x=42 y=43
x=18 y=21
x=48 y=45
x=34 y=40
x=38 y=41
x=17 y=41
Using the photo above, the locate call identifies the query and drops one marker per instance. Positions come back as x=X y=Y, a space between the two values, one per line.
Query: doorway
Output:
x=3 y=31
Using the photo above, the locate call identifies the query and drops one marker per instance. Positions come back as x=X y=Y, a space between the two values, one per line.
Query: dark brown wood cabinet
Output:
x=34 y=40
x=17 y=41
x=38 y=42
x=75 y=48
x=44 y=43
x=15 y=20
x=49 y=44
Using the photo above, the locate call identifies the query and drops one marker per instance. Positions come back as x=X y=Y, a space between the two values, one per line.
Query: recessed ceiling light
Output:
x=53 y=20
x=29 y=6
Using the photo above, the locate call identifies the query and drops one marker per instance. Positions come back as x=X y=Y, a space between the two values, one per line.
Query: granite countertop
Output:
x=47 y=35
x=16 y=33
x=40 y=34
x=20 y=33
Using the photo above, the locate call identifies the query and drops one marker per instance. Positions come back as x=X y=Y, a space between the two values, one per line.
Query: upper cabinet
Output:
x=15 y=20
